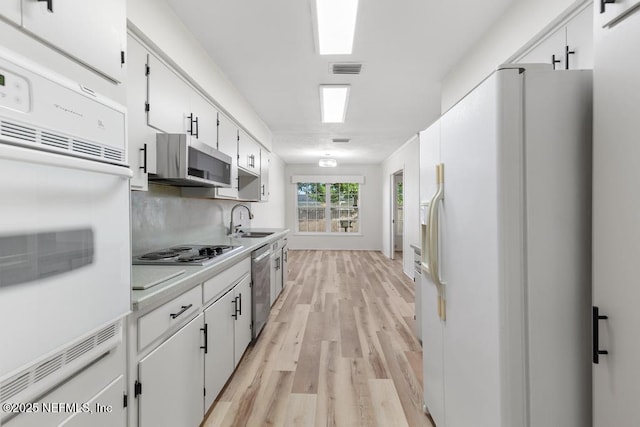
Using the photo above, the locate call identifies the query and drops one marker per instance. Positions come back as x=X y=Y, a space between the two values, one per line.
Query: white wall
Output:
x=156 y=23
x=407 y=158
x=271 y=214
x=516 y=30
x=370 y=215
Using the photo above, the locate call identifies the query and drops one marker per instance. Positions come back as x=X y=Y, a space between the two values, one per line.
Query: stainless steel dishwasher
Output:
x=261 y=289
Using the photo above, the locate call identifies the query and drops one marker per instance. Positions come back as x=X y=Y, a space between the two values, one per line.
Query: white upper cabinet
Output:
x=11 y=10
x=549 y=51
x=228 y=144
x=609 y=14
x=167 y=99
x=265 y=161
x=570 y=47
x=92 y=31
x=248 y=153
x=202 y=120
x=141 y=138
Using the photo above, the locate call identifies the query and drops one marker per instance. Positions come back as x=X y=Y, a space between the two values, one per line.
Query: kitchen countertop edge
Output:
x=141 y=300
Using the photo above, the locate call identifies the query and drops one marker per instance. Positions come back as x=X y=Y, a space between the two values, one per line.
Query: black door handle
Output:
x=596 y=317
x=554 y=61
x=567 y=52
x=235 y=308
x=603 y=4
x=184 y=308
x=144 y=151
x=49 y=5
x=206 y=338
x=239 y=304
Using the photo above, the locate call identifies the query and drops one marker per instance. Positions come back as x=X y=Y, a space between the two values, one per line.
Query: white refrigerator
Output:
x=505 y=223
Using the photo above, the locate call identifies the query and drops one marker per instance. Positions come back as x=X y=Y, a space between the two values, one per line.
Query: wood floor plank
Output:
x=349 y=338
x=301 y=410
x=343 y=321
x=290 y=349
x=386 y=404
x=306 y=376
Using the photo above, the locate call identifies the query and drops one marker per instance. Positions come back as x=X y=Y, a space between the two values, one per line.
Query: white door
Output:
x=432 y=325
x=219 y=359
x=580 y=40
x=243 y=322
x=204 y=120
x=228 y=144
x=616 y=211
x=92 y=31
x=265 y=162
x=167 y=99
x=469 y=258
x=172 y=380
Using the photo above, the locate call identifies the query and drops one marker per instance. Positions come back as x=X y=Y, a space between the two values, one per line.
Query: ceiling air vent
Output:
x=346 y=68
x=341 y=140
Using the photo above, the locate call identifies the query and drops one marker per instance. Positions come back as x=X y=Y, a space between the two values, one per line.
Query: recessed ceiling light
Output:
x=336 y=26
x=333 y=102
x=327 y=163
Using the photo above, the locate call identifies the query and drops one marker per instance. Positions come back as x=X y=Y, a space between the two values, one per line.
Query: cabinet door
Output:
x=11 y=10
x=550 y=49
x=219 y=359
x=248 y=153
x=580 y=40
x=92 y=31
x=107 y=409
x=611 y=13
x=242 y=328
x=172 y=380
x=228 y=144
x=204 y=120
x=616 y=235
x=142 y=138
x=167 y=98
x=265 y=162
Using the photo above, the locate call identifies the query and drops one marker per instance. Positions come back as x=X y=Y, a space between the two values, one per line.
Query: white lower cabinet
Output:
x=218 y=360
x=242 y=327
x=228 y=326
x=171 y=380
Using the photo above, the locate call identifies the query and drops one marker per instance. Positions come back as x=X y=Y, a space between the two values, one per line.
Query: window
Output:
x=328 y=208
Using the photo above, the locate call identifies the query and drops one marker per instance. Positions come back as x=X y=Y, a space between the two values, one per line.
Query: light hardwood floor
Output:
x=338 y=350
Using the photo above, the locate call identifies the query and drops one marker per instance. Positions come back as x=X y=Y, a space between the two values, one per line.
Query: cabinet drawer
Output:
x=168 y=316
x=218 y=284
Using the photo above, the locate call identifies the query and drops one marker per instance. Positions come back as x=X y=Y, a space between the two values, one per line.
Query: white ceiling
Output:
x=267 y=50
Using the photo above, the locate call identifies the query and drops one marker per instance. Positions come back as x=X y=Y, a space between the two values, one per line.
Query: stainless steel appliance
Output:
x=65 y=271
x=261 y=289
x=190 y=163
x=187 y=255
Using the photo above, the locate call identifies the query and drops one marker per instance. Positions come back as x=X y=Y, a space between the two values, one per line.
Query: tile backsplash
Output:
x=160 y=217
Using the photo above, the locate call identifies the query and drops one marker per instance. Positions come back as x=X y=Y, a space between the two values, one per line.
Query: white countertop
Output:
x=177 y=283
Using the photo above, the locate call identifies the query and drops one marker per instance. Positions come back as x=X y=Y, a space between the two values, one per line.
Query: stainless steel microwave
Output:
x=190 y=163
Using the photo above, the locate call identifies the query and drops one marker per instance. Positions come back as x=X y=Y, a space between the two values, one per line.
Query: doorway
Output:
x=397 y=215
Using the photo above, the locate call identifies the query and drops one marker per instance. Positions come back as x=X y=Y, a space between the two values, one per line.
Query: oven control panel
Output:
x=14 y=92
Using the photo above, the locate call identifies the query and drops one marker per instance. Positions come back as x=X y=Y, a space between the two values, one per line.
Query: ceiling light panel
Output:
x=336 y=26
x=333 y=102
x=327 y=163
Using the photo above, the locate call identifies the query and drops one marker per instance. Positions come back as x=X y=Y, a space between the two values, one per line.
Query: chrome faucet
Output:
x=232 y=229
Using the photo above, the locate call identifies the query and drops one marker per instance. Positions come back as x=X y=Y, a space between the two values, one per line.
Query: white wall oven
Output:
x=64 y=227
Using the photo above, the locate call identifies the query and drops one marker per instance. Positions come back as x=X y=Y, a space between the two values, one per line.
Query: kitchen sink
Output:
x=255 y=234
